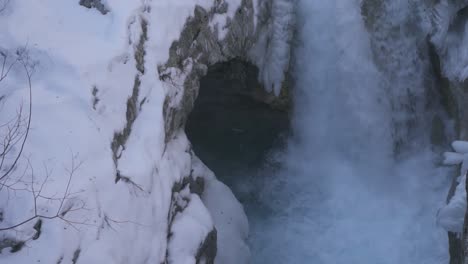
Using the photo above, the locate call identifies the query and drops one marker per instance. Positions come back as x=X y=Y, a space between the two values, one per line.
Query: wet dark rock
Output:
x=232 y=127
x=13 y=244
x=97 y=4
x=207 y=252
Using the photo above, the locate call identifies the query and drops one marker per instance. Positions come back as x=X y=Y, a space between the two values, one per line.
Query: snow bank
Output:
x=228 y=216
x=98 y=103
x=452 y=216
x=192 y=225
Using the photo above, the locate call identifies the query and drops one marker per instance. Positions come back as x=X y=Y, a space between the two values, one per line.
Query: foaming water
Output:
x=341 y=196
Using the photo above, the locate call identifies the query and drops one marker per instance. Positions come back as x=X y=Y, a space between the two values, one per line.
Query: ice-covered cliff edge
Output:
x=107 y=174
x=446 y=27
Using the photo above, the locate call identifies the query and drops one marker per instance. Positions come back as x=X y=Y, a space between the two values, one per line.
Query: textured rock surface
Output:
x=95 y=4
x=199 y=46
x=433 y=36
x=447 y=40
x=399 y=41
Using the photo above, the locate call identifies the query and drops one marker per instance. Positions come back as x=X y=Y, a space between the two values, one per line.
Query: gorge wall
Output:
x=114 y=84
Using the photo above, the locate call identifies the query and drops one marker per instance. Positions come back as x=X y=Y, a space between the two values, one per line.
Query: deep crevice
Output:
x=235 y=124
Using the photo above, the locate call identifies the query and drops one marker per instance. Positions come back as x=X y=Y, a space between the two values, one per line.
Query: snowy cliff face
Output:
x=448 y=35
x=107 y=174
x=400 y=50
x=444 y=25
x=424 y=42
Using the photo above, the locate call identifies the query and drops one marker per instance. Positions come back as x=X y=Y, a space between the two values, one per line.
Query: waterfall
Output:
x=343 y=195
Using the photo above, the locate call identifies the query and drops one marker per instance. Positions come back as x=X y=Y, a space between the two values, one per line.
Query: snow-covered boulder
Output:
x=452 y=216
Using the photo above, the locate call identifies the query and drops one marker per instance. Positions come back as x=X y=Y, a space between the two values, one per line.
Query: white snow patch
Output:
x=460 y=146
x=190 y=227
x=452 y=158
x=452 y=216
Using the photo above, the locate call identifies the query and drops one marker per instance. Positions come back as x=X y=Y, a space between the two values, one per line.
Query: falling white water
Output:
x=342 y=196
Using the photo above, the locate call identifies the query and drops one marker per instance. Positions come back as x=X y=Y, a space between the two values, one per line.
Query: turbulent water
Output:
x=343 y=195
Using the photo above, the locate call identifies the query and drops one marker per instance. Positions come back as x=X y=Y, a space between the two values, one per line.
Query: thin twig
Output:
x=28 y=73
x=59 y=214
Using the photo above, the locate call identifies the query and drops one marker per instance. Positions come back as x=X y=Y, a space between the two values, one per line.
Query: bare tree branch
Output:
x=60 y=212
x=23 y=58
x=6 y=68
x=13 y=137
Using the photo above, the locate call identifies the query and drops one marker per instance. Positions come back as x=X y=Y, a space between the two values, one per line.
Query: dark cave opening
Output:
x=235 y=125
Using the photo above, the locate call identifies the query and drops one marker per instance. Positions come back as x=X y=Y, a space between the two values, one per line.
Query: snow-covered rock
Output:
x=423 y=44
x=448 y=34
x=107 y=168
x=446 y=26
x=452 y=216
